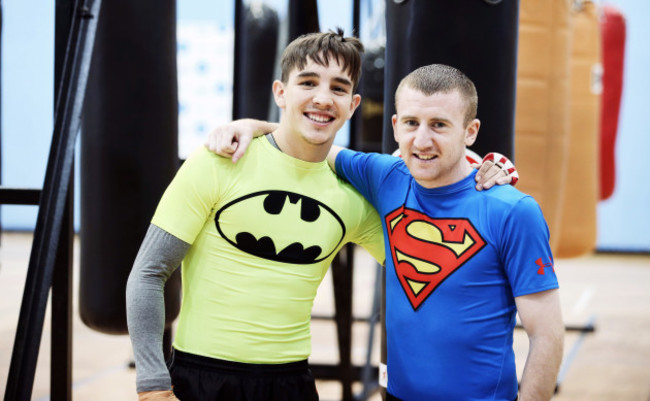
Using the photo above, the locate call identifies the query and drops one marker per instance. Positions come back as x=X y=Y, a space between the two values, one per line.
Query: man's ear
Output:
x=471 y=132
x=394 y=120
x=278 y=93
x=356 y=100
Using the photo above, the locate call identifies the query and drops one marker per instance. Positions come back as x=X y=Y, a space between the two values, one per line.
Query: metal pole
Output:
x=52 y=207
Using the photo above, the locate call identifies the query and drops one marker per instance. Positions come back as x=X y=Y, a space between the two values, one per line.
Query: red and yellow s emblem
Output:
x=426 y=251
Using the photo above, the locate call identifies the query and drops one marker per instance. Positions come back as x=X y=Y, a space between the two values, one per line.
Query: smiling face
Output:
x=432 y=135
x=315 y=102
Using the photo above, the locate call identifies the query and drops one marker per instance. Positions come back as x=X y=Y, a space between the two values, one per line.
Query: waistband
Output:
x=390 y=397
x=185 y=359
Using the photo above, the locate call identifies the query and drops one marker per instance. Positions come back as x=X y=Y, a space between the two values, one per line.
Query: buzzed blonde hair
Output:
x=440 y=78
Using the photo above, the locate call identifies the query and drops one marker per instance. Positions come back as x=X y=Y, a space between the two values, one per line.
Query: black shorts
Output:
x=199 y=378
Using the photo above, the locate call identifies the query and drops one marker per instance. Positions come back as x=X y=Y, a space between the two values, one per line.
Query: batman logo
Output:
x=281 y=226
x=426 y=251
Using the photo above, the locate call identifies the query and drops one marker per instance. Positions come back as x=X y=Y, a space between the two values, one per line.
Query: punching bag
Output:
x=542 y=113
x=578 y=229
x=612 y=25
x=479 y=37
x=256 y=42
x=129 y=152
x=303 y=18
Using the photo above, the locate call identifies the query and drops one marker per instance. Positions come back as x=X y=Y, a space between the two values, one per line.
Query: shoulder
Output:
x=202 y=155
x=375 y=164
x=513 y=205
x=356 y=157
x=506 y=195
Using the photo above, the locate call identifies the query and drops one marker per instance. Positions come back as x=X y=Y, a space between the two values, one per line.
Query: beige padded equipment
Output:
x=542 y=106
x=581 y=194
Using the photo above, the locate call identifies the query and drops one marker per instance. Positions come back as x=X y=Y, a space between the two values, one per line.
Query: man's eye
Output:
x=411 y=123
x=307 y=83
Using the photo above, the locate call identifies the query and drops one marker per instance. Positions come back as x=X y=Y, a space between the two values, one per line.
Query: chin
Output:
x=319 y=138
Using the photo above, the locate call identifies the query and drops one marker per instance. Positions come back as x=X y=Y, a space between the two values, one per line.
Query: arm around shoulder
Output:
x=331 y=156
x=232 y=139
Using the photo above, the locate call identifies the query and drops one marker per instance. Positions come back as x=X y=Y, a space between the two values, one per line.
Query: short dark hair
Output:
x=320 y=47
x=436 y=78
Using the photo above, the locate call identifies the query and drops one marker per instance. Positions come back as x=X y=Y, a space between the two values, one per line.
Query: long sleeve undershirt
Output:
x=160 y=254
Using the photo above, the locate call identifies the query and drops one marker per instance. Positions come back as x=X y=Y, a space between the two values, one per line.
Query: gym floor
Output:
x=612 y=363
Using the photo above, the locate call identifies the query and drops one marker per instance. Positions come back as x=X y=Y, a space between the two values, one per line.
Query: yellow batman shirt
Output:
x=263 y=233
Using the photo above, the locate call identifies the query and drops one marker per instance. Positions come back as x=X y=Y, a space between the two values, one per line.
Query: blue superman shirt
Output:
x=456 y=258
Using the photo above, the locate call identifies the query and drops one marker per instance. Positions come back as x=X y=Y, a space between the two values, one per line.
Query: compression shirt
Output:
x=456 y=260
x=263 y=233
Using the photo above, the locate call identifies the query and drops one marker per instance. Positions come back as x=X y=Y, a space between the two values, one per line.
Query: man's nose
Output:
x=423 y=137
x=323 y=98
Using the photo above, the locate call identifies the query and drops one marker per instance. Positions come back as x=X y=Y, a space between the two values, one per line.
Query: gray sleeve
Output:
x=159 y=255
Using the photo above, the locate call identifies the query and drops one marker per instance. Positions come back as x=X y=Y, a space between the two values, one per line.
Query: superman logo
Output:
x=426 y=251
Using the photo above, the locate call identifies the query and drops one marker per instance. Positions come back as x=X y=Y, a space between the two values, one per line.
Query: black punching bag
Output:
x=479 y=37
x=256 y=41
x=303 y=18
x=258 y=47
x=129 y=152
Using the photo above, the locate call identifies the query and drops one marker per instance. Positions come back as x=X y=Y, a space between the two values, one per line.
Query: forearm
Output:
x=260 y=127
x=541 y=317
x=331 y=156
x=160 y=254
x=541 y=369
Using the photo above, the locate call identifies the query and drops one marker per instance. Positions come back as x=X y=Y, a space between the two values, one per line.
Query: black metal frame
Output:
x=50 y=264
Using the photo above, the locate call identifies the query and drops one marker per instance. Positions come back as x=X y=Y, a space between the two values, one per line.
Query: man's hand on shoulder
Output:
x=166 y=395
x=495 y=169
x=232 y=139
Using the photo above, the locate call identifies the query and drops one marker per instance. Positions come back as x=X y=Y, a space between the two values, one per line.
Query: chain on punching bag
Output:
x=479 y=37
x=128 y=152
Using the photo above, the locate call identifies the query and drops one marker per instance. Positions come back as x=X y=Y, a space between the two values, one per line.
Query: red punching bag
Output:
x=612 y=25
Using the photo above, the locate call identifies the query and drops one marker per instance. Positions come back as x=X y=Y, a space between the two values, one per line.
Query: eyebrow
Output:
x=311 y=74
x=436 y=119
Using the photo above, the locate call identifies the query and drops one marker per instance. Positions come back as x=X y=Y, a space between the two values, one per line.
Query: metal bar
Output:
x=49 y=222
x=61 y=318
x=61 y=336
x=587 y=328
x=239 y=31
x=19 y=196
x=342 y=268
x=357 y=118
x=370 y=386
x=355 y=319
x=382 y=321
x=572 y=354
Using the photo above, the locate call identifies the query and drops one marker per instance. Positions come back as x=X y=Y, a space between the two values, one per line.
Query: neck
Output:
x=299 y=148
x=451 y=177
